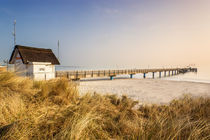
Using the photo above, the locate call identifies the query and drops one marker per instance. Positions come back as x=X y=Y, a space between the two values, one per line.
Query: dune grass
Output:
x=55 y=110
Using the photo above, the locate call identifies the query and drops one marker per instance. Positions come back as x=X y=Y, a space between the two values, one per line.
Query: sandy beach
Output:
x=146 y=90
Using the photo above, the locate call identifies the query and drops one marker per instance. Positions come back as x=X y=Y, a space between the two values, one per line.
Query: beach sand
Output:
x=146 y=91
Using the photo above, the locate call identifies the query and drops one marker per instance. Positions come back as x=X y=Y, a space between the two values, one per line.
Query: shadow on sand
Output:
x=101 y=79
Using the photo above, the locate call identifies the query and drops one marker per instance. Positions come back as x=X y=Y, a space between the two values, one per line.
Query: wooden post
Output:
x=77 y=75
x=85 y=74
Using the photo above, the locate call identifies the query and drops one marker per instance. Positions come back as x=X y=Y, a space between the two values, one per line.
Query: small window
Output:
x=42 y=69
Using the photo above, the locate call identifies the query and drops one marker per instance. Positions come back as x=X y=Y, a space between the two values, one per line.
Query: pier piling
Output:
x=144 y=75
x=160 y=74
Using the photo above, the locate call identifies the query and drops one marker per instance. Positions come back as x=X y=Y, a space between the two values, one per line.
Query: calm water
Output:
x=203 y=74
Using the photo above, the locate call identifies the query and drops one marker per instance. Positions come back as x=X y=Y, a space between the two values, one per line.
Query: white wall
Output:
x=43 y=71
x=20 y=68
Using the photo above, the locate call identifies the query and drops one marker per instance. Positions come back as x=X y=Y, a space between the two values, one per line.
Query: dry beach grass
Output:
x=55 y=110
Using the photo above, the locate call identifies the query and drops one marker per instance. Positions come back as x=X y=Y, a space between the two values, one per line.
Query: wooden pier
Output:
x=77 y=75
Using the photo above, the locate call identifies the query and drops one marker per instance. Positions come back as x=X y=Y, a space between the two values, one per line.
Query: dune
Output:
x=55 y=110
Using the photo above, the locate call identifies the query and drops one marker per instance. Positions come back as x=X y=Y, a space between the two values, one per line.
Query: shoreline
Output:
x=127 y=78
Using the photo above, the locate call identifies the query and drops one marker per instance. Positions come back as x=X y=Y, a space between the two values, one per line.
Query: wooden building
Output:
x=36 y=63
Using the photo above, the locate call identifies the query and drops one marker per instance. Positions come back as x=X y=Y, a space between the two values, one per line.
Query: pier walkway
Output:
x=77 y=75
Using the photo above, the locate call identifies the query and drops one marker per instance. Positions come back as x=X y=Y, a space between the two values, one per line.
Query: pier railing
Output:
x=76 y=75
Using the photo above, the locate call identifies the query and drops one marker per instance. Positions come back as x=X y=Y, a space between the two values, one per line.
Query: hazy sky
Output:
x=111 y=32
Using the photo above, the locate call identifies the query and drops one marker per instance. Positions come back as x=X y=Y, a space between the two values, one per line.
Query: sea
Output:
x=202 y=75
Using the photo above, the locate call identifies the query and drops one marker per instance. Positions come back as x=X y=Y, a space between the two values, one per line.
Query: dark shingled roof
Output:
x=31 y=54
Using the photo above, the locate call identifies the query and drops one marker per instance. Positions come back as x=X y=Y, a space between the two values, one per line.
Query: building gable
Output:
x=15 y=56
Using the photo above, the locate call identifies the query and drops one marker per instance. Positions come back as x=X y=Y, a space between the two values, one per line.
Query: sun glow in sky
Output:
x=111 y=32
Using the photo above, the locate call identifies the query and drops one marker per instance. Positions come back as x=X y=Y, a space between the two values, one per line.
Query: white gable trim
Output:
x=41 y=63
